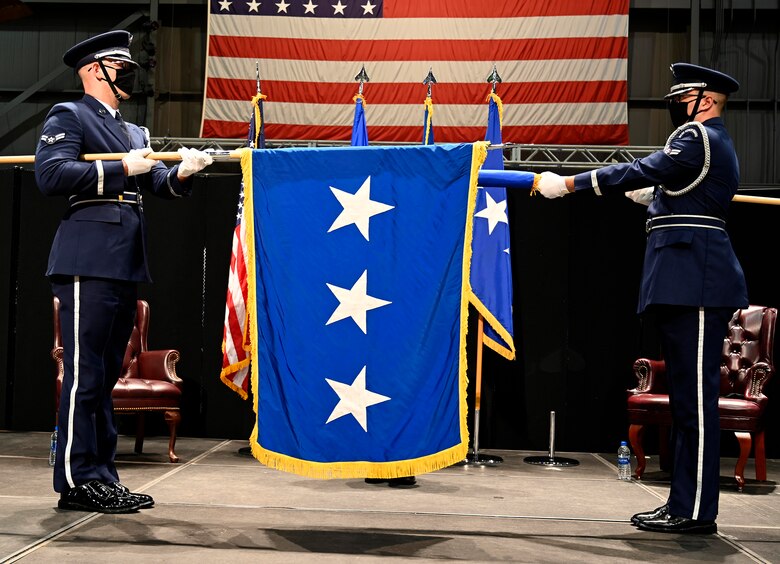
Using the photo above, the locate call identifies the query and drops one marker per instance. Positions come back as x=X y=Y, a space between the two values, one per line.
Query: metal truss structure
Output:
x=516 y=156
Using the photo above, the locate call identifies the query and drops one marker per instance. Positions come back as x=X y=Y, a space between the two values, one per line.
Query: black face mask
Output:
x=678 y=111
x=125 y=79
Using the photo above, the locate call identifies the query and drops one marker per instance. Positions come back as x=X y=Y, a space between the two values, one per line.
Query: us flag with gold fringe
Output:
x=236 y=357
x=564 y=67
x=235 y=338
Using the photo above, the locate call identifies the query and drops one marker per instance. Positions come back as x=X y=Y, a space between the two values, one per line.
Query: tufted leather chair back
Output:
x=748 y=345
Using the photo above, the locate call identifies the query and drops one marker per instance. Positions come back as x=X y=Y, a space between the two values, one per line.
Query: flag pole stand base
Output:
x=551 y=459
x=480 y=459
x=474 y=457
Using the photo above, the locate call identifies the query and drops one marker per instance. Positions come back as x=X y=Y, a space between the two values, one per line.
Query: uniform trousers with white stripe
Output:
x=96 y=320
x=692 y=345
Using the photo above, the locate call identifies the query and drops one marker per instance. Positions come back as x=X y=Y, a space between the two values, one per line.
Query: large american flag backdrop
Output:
x=563 y=63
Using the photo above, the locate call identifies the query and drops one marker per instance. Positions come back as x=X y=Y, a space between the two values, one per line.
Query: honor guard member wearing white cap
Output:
x=98 y=256
x=691 y=278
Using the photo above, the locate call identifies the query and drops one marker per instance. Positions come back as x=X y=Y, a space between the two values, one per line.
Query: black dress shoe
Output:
x=95 y=496
x=656 y=513
x=679 y=525
x=404 y=482
x=121 y=490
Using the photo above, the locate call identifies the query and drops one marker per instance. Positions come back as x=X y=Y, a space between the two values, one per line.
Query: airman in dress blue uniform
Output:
x=97 y=258
x=691 y=278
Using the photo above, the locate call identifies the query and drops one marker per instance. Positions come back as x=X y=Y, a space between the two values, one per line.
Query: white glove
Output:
x=552 y=185
x=193 y=161
x=641 y=196
x=136 y=162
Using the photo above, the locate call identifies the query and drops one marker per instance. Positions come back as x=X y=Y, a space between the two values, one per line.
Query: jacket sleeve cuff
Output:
x=586 y=181
x=177 y=187
x=113 y=177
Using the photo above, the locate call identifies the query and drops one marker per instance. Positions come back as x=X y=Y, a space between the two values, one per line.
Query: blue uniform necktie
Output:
x=123 y=125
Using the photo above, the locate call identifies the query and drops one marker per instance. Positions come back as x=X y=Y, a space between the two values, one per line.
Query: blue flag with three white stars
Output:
x=358 y=280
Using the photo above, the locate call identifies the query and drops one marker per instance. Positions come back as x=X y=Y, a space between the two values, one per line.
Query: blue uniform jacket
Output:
x=102 y=239
x=685 y=265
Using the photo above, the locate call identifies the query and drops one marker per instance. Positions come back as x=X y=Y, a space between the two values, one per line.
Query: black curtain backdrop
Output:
x=10 y=181
x=576 y=267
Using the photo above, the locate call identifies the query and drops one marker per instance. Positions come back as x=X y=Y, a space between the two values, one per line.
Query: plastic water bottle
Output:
x=53 y=447
x=624 y=461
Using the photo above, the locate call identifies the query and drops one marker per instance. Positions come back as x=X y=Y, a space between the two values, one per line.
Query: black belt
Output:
x=665 y=221
x=133 y=198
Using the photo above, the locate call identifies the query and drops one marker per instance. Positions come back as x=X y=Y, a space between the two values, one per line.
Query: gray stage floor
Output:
x=220 y=506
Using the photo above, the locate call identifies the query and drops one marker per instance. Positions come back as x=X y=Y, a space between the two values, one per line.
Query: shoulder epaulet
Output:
x=689 y=130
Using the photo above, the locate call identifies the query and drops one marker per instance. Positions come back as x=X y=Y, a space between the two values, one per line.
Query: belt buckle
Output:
x=648 y=224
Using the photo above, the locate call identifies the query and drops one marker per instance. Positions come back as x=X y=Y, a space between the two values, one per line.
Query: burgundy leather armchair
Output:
x=148 y=381
x=746 y=367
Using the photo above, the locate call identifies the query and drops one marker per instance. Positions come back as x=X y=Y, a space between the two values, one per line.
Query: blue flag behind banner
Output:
x=357 y=288
x=359 y=128
x=491 y=265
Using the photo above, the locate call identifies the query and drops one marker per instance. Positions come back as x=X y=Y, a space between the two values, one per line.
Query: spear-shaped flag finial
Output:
x=430 y=80
x=257 y=76
x=494 y=78
x=362 y=77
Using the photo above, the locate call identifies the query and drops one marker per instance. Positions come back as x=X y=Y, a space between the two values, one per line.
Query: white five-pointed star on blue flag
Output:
x=494 y=212
x=354 y=399
x=355 y=302
x=358 y=208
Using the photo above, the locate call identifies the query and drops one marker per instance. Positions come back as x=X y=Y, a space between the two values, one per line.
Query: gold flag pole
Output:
x=756 y=200
x=474 y=457
x=220 y=155
x=162 y=156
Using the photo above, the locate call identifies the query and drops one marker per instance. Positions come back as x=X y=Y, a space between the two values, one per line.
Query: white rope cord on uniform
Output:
x=705 y=169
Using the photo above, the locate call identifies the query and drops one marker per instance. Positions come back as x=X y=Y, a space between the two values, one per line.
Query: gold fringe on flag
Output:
x=233 y=368
x=500 y=105
x=428 y=122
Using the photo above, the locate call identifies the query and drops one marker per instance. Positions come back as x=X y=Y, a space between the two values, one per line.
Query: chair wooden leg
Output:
x=744 y=451
x=172 y=417
x=635 y=433
x=139 y=434
x=760 y=457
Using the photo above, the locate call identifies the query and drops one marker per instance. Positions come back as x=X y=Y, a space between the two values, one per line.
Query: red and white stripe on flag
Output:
x=235 y=340
x=563 y=65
